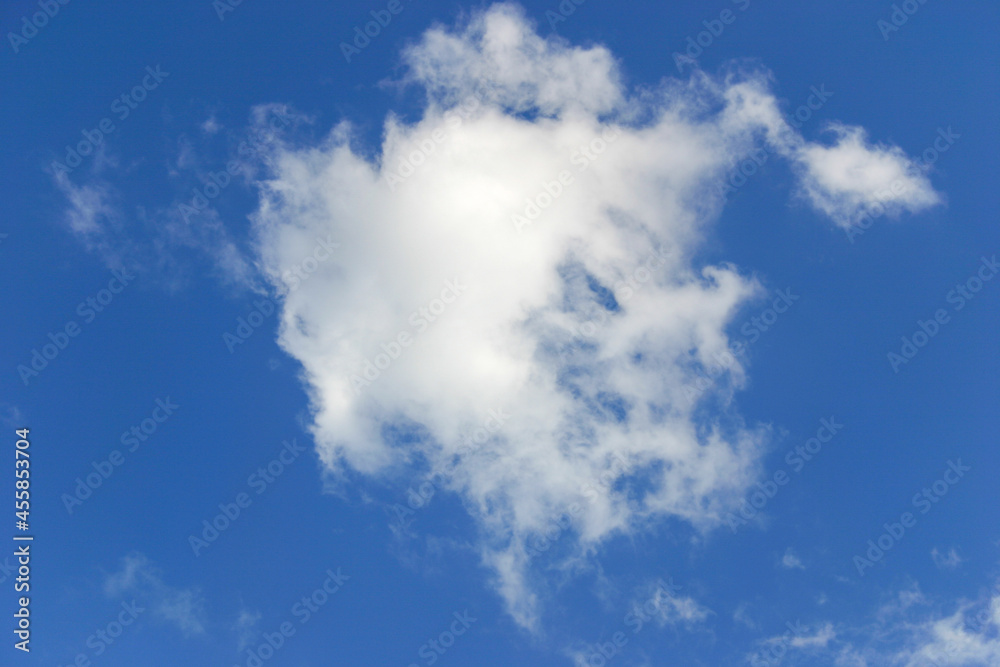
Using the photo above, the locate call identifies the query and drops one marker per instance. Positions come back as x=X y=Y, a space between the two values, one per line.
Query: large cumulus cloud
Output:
x=524 y=249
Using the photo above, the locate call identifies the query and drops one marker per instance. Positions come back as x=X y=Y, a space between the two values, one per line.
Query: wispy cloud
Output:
x=246 y=628
x=181 y=607
x=946 y=561
x=791 y=561
x=910 y=630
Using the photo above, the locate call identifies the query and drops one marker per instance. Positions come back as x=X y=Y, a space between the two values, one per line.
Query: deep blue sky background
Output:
x=159 y=338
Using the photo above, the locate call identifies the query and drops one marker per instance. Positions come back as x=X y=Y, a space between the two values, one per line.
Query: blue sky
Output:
x=518 y=334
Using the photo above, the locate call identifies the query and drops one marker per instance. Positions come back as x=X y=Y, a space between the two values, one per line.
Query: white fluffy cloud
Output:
x=525 y=248
x=852 y=176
